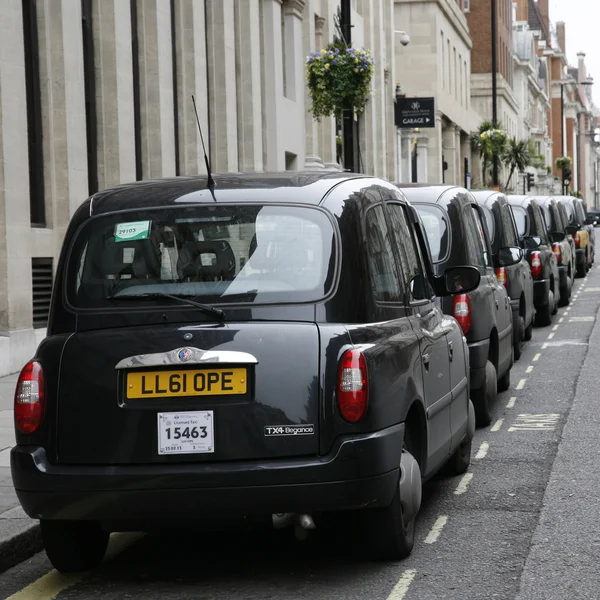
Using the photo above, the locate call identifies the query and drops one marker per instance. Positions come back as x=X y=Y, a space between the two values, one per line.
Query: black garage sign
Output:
x=415 y=112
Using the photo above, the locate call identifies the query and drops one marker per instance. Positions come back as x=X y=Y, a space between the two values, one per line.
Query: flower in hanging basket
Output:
x=338 y=76
x=494 y=141
x=563 y=163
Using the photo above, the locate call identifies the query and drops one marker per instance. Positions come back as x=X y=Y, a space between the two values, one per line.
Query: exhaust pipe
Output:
x=302 y=523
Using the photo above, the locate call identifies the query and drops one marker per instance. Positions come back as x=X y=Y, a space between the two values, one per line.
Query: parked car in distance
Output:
x=561 y=245
x=582 y=233
x=533 y=237
x=593 y=217
x=517 y=279
x=455 y=228
x=564 y=217
x=274 y=353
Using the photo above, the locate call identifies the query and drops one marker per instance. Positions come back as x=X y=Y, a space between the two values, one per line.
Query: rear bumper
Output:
x=541 y=287
x=478 y=355
x=361 y=471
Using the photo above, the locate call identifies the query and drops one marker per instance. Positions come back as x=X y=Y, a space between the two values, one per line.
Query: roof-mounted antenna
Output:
x=210 y=183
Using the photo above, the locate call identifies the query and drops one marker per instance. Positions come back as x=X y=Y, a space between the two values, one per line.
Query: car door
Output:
x=431 y=326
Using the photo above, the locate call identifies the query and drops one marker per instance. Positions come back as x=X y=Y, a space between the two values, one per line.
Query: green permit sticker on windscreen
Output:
x=136 y=230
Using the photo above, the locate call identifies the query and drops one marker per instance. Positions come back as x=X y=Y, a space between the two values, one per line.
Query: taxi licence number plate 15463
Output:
x=193 y=382
x=186 y=432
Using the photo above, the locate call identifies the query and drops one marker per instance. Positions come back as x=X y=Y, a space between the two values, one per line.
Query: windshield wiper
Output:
x=207 y=308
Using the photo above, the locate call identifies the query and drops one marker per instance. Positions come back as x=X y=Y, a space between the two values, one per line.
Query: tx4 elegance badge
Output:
x=279 y=430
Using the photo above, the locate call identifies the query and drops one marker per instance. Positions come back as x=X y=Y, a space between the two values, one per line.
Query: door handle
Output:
x=451 y=350
x=426 y=360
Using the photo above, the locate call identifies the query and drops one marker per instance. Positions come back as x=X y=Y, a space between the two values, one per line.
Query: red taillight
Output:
x=462 y=311
x=536 y=264
x=353 y=386
x=30 y=398
x=577 y=240
x=502 y=276
x=557 y=252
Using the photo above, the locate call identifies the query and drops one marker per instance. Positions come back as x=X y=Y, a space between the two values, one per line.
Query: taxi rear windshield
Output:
x=213 y=254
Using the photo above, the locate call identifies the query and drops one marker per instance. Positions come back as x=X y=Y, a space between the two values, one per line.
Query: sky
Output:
x=582 y=20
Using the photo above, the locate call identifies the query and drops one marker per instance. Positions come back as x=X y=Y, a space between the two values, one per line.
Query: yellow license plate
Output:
x=197 y=382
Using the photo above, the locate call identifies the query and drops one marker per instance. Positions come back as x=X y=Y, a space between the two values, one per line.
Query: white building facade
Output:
x=94 y=93
x=532 y=89
x=436 y=63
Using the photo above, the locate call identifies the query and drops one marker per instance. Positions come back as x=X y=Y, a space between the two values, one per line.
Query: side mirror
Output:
x=509 y=256
x=457 y=280
x=556 y=236
x=420 y=288
x=532 y=242
x=572 y=229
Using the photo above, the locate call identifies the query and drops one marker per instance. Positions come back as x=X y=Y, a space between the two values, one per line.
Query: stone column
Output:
x=466 y=153
x=111 y=22
x=406 y=150
x=63 y=114
x=248 y=86
x=15 y=245
x=326 y=128
x=156 y=88
x=435 y=150
x=449 y=152
x=192 y=78
x=272 y=90
x=293 y=16
x=313 y=161
x=423 y=159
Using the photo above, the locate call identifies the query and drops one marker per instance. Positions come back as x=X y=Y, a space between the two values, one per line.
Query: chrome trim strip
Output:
x=197 y=357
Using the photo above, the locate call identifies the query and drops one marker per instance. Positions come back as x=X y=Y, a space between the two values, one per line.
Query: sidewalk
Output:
x=19 y=535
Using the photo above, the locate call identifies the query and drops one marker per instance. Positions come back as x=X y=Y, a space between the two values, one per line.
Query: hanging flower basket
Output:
x=563 y=163
x=494 y=141
x=338 y=76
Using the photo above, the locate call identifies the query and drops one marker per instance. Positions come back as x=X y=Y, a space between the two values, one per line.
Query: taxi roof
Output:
x=289 y=186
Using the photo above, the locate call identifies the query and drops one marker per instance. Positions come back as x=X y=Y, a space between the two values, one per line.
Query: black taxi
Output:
x=269 y=349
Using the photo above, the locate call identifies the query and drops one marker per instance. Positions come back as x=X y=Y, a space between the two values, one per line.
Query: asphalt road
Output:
x=523 y=523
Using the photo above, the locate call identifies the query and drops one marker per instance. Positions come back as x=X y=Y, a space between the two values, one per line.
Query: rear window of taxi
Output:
x=213 y=254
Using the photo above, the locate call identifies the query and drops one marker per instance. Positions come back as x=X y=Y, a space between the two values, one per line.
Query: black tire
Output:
x=504 y=382
x=461 y=459
x=485 y=396
x=581 y=271
x=386 y=534
x=74 y=546
x=518 y=337
x=528 y=334
x=543 y=317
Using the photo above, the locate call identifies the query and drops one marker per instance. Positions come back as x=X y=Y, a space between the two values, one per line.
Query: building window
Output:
x=443 y=62
x=89 y=75
x=137 y=116
x=467 y=5
x=41 y=275
x=37 y=201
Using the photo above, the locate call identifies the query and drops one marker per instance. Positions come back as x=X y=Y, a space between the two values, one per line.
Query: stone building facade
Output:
x=94 y=93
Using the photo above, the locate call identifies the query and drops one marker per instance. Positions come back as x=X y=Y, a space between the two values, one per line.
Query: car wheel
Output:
x=543 y=316
x=485 y=396
x=390 y=531
x=461 y=459
x=528 y=334
x=504 y=382
x=519 y=336
x=74 y=545
x=581 y=271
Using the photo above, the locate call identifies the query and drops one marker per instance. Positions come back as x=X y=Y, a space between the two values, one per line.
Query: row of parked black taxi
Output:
x=529 y=251
x=276 y=349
